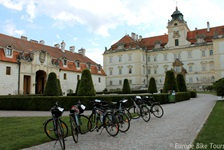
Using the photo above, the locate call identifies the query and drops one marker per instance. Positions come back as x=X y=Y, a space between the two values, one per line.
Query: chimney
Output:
x=133 y=35
x=140 y=37
x=24 y=38
x=208 y=27
x=63 y=46
x=35 y=41
x=42 y=42
x=57 y=46
x=72 y=49
x=82 y=51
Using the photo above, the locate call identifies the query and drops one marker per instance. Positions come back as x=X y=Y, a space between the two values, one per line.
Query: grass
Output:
x=22 y=132
x=212 y=131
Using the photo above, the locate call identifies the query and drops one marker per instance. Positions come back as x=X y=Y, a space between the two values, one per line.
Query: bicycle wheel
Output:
x=145 y=113
x=123 y=120
x=92 y=122
x=83 y=124
x=49 y=129
x=157 y=110
x=126 y=111
x=111 y=124
x=60 y=134
x=135 y=112
x=74 y=129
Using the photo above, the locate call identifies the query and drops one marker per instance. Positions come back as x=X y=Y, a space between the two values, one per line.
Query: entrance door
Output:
x=40 y=81
x=26 y=84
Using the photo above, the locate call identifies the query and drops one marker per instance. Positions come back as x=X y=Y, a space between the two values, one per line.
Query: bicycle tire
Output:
x=60 y=134
x=92 y=121
x=83 y=124
x=145 y=113
x=74 y=129
x=49 y=129
x=123 y=120
x=135 y=112
x=157 y=110
x=126 y=111
x=111 y=125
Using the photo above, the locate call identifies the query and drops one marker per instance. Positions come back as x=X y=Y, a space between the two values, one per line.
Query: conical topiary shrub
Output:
x=86 y=87
x=126 y=87
x=77 y=87
x=181 y=84
x=52 y=88
x=170 y=82
x=152 y=86
x=219 y=87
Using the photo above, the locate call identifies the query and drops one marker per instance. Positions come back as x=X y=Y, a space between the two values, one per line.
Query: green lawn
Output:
x=211 y=135
x=21 y=132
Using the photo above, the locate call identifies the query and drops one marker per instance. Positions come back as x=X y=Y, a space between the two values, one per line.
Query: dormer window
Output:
x=99 y=67
x=88 y=65
x=8 y=51
x=77 y=63
x=64 y=61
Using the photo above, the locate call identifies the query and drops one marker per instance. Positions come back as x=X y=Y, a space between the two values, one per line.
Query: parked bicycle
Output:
x=139 y=109
x=55 y=128
x=155 y=107
x=101 y=117
x=118 y=108
x=79 y=122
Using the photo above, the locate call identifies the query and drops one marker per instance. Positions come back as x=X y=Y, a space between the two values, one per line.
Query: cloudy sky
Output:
x=96 y=24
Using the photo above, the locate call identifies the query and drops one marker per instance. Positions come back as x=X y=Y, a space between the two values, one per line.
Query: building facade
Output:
x=198 y=54
x=25 y=66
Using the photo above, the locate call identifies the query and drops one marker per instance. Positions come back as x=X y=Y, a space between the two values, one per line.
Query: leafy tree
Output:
x=86 y=87
x=126 y=87
x=77 y=87
x=181 y=84
x=170 y=82
x=59 y=85
x=52 y=88
x=219 y=87
x=152 y=86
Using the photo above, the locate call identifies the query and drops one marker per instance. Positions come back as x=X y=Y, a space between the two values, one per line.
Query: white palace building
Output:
x=198 y=54
x=25 y=65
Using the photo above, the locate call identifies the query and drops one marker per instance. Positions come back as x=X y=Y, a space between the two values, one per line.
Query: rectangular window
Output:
x=143 y=58
x=176 y=42
x=111 y=72
x=9 y=52
x=111 y=83
x=120 y=71
x=190 y=69
x=78 y=77
x=191 y=80
x=8 y=70
x=78 y=64
x=204 y=67
x=211 y=52
x=155 y=71
x=65 y=76
x=202 y=53
x=189 y=55
x=130 y=81
x=99 y=80
x=120 y=82
x=155 y=58
x=165 y=57
x=148 y=58
x=119 y=58
x=129 y=57
x=175 y=56
x=65 y=62
x=149 y=71
x=111 y=60
x=130 y=71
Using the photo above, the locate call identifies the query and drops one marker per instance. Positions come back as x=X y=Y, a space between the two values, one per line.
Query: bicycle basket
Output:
x=81 y=108
x=57 y=111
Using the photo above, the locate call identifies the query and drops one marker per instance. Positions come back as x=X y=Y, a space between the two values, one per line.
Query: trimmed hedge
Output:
x=44 y=103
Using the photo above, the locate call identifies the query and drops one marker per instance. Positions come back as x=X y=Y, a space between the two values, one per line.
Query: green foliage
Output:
x=219 y=87
x=170 y=82
x=77 y=87
x=126 y=87
x=52 y=88
x=86 y=87
x=59 y=85
x=152 y=86
x=181 y=84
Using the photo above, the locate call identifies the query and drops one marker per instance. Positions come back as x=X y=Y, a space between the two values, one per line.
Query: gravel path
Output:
x=175 y=130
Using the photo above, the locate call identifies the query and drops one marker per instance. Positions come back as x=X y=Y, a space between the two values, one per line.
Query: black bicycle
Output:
x=139 y=109
x=79 y=122
x=155 y=107
x=55 y=128
x=102 y=117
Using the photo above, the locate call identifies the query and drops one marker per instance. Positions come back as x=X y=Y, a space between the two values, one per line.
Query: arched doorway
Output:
x=40 y=81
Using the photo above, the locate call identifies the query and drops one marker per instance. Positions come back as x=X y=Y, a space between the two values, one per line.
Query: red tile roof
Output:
x=21 y=45
x=149 y=41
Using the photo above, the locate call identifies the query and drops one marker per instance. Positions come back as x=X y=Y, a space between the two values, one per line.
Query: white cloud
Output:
x=95 y=54
x=11 y=29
